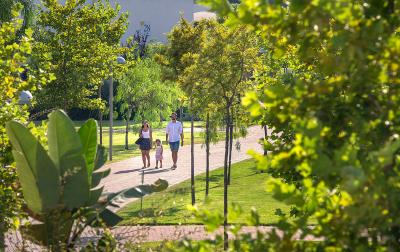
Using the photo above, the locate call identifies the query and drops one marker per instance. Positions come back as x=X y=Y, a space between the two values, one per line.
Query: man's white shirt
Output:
x=173 y=130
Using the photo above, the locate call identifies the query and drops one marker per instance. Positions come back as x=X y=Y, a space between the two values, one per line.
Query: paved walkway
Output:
x=127 y=173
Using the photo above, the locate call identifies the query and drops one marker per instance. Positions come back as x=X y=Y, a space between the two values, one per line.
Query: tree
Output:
x=220 y=68
x=13 y=61
x=185 y=40
x=82 y=41
x=344 y=125
x=141 y=89
x=27 y=12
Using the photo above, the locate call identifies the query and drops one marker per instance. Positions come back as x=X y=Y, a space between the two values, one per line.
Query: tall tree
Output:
x=82 y=40
x=185 y=40
x=220 y=69
x=141 y=90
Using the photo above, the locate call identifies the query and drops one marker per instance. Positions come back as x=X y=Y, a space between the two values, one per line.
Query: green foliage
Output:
x=14 y=54
x=82 y=39
x=341 y=144
x=28 y=14
x=141 y=89
x=60 y=186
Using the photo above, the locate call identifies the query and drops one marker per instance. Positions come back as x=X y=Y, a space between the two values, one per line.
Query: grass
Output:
x=119 y=152
x=160 y=246
x=170 y=207
x=121 y=124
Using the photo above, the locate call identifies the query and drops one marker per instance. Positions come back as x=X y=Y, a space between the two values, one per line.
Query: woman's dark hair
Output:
x=147 y=124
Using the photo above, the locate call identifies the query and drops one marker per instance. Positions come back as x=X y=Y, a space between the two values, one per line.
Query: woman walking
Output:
x=147 y=143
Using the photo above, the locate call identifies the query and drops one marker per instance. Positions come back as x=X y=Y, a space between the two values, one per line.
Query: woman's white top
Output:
x=146 y=134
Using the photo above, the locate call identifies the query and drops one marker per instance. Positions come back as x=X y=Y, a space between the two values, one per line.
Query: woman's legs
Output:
x=148 y=158
x=144 y=158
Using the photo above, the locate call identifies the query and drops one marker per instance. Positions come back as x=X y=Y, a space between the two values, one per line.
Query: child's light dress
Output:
x=159 y=155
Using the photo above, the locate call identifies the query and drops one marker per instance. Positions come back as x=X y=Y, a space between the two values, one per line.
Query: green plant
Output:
x=345 y=125
x=82 y=39
x=58 y=186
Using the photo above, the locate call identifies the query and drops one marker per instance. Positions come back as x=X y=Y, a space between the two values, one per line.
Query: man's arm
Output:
x=181 y=139
x=166 y=135
x=181 y=133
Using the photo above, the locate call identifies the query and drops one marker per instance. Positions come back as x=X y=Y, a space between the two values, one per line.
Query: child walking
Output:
x=159 y=152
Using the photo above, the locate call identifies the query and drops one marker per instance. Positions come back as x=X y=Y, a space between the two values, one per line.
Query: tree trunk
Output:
x=207 y=153
x=100 y=119
x=230 y=151
x=265 y=138
x=161 y=117
x=192 y=154
x=226 y=178
x=180 y=115
x=127 y=129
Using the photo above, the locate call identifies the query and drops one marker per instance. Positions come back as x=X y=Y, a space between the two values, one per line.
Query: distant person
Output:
x=147 y=143
x=159 y=152
x=174 y=130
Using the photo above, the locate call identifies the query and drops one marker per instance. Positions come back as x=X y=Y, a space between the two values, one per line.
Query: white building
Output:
x=152 y=17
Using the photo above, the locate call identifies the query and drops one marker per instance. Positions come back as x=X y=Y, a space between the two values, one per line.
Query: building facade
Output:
x=153 y=17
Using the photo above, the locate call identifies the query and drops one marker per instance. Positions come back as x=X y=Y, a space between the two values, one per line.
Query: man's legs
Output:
x=175 y=156
x=174 y=148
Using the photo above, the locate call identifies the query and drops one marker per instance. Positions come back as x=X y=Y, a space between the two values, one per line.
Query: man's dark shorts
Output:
x=174 y=146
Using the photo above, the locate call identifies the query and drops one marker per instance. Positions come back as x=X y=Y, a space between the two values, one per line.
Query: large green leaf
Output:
x=38 y=175
x=62 y=138
x=88 y=135
x=76 y=188
x=96 y=177
x=140 y=191
x=94 y=196
x=101 y=157
x=106 y=216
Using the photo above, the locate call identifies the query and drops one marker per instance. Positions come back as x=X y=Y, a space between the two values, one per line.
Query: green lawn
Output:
x=119 y=152
x=170 y=207
x=121 y=124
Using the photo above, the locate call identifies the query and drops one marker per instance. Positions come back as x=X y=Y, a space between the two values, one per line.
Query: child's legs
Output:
x=156 y=163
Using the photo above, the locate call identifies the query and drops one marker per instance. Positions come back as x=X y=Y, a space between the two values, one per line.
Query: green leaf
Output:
x=96 y=177
x=88 y=135
x=109 y=218
x=62 y=138
x=94 y=196
x=38 y=175
x=76 y=188
x=101 y=157
x=254 y=218
x=141 y=191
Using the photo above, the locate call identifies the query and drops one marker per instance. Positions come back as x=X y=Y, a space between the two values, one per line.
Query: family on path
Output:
x=173 y=132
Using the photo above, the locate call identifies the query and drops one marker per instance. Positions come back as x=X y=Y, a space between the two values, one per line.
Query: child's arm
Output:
x=162 y=150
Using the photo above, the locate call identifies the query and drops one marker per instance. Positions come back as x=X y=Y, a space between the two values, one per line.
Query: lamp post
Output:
x=119 y=60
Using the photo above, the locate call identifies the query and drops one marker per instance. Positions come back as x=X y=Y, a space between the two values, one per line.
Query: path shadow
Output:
x=155 y=171
x=127 y=171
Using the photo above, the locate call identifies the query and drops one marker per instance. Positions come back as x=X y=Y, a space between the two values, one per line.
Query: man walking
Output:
x=174 y=130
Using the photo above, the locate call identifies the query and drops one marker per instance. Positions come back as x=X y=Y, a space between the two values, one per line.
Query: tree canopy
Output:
x=341 y=114
x=82 y=39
